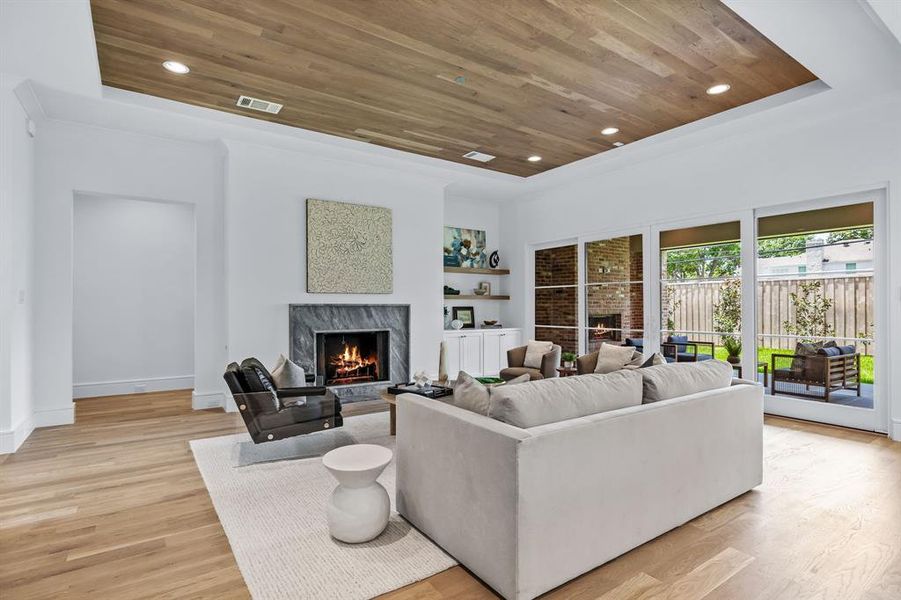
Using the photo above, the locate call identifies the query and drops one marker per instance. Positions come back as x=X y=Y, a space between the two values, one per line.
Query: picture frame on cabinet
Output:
x=466 y=314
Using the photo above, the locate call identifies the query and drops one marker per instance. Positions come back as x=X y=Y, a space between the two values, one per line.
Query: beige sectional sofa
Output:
x=528 y=509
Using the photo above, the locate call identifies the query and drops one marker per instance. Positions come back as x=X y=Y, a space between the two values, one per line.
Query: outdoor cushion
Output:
x=692 y=357
x=847 y=349
x=829 y=351
x=680 y=340
x=636 y=342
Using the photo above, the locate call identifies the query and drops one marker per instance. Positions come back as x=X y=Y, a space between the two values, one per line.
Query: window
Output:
x=556 y=296
x=829 y=303
x=700 y=292
x=614 y=291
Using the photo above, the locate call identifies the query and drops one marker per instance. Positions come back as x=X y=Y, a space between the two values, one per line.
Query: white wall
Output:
x=16 y=269
x=472 y=213
x=266 y=194
x=74 y=159
x=134 y=296
x=802 y=159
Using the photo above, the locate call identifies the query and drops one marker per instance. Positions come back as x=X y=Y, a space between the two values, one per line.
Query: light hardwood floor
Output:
x=114 y=507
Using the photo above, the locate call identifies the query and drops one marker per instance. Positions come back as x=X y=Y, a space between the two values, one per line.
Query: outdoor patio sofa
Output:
x=816 y=371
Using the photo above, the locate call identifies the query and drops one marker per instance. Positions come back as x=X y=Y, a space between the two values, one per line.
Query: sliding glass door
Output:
x=817 y=314
x=700 y=293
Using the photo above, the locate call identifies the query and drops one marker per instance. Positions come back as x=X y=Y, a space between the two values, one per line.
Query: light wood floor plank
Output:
x=113 y=507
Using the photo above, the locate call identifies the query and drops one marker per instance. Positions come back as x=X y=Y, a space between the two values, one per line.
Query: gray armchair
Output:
x=517 y=356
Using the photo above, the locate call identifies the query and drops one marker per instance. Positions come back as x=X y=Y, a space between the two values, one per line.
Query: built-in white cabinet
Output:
x=479 y=352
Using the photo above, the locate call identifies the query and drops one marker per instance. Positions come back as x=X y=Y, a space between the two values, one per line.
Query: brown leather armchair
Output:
x=517 y=356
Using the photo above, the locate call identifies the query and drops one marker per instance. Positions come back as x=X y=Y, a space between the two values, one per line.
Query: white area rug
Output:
x=274 y=517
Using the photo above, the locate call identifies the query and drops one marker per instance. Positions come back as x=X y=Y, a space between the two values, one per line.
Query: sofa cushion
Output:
x=535 y=351
x=559 y=399
x=663 y=382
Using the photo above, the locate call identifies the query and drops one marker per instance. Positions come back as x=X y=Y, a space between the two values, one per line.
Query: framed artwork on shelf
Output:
x=465 y=248
x=466 y=314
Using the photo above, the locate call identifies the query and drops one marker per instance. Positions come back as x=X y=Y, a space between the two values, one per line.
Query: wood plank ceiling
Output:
x=511 y=78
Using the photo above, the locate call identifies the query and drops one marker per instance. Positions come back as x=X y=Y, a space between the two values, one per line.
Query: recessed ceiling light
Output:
x=174 y=66
x=534 y=158
x=720 y=88
x=609 y=130
x=617 y=144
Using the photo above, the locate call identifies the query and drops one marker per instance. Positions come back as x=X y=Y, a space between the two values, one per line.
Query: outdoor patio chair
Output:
x=830 y=369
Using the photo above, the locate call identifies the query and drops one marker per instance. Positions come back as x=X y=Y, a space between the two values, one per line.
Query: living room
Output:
x=705 y=189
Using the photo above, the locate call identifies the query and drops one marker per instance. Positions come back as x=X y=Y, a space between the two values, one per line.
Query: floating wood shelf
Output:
x=477 y=271
x=474 y=297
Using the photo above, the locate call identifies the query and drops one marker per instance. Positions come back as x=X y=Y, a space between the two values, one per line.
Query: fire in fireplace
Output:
x=349 y=357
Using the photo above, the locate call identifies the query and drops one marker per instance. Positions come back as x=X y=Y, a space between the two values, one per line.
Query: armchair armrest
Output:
x=255 y=403
x=299 y=391
x=550 y=362
x=516 y=356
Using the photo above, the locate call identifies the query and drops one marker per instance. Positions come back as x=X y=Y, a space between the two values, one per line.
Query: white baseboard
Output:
x=12 y=439
x=132 y=386
x=52 y=418
x=204 y=400
x=895 y=430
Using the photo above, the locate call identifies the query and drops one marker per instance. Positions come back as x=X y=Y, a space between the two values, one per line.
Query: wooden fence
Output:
x=852 y=313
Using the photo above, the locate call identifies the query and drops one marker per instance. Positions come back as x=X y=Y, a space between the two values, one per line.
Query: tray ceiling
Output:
x=441 y=78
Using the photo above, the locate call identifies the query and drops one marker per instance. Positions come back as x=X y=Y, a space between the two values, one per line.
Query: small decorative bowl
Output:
x=489 y=323
x=479 y=291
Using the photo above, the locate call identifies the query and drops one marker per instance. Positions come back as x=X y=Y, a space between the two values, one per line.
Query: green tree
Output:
x=727 y=311
x=863 y=233
x=791 y=245
x=811 y=308
x=704 y=262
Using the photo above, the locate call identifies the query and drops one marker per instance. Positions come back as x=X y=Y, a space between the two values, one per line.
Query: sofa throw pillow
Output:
x=613 y=358
x=289 y=375
x=655 y=359
x=663 y=382
x=535 y=351
x=562 y=398
x=471 y=394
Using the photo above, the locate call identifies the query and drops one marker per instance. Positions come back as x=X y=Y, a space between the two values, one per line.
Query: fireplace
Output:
x=353 y=357
x=606 y=326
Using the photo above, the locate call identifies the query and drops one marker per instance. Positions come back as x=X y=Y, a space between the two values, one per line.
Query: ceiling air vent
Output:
x=260 y=105
x=479 y=156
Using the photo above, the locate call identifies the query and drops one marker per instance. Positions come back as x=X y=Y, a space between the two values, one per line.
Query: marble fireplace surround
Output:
x=306 y=320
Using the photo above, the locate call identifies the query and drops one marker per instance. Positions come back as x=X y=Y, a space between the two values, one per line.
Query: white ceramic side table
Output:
x=359 y=507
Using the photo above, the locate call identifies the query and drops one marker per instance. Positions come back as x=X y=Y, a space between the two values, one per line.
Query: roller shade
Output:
x=816 y=221
x=705 y=235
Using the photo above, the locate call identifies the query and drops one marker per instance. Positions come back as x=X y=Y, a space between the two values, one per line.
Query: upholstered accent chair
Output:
x=678 y=348
x=270 y=413
x=517 y=356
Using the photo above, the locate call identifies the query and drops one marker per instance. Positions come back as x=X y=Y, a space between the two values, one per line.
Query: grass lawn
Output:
x=763 y=355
